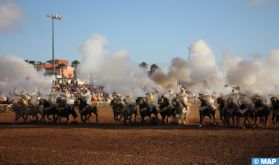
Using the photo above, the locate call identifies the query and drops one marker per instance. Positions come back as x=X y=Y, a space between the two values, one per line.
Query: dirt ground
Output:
x=109 y=142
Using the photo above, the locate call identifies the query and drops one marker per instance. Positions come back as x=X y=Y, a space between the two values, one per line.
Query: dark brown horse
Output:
x=206 y=110
x=166 y=109
x=275 y=110
x=260 y=110
x=85 y=110
x=146 y=110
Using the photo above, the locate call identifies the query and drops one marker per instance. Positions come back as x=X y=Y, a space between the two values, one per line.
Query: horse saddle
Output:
x=203 y=108
x=142 y=109
x=259 y=109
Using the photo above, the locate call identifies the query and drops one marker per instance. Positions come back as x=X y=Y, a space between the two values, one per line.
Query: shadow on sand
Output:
x=120 y=126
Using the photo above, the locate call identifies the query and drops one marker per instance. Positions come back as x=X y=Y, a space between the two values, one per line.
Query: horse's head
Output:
x=220 y=100
x=42 y=101
x=77 y=102
x=162 y=100
x=139 y=100
x=274 y=100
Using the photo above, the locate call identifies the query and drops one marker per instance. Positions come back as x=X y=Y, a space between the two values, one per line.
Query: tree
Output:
x=153 y=68
x=143 y=66
x=62 y=66
x=75 y=63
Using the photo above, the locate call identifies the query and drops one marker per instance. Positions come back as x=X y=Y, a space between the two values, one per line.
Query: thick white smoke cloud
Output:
x=203 y=74
x=17 y=75
x=115 y=71
x=10 y=14
x=195 y=74
x=255 y=76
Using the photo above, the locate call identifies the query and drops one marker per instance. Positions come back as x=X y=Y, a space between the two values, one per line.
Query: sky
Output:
x=152 y=31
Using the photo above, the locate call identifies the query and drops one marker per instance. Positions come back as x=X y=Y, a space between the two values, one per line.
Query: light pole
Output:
x=52 y=17
x=189 y=53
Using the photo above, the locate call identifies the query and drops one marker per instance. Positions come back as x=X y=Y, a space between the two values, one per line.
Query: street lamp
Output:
x=189 y=53
x=52 y=17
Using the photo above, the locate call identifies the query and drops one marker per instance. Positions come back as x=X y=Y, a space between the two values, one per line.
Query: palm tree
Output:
x=153 y=68
x=143 y=66
x=62 y=66
x=75 y=63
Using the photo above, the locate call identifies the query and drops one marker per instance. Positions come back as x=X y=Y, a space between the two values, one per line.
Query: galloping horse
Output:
x=260 y=110
x=48 y=109
x=64 y=110
x=275 y=110
x=146 y=110
x=166 y=109
x=118 y=107
x=206 y=109
x=230 y=111
x=181 y=109
x=85 y=110
x=131 y=109
x=23 y=109
x=222 y=109
x=244 y=110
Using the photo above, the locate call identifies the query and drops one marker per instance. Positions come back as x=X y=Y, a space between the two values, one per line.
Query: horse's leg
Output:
x=273 y=118
x=135 y=117
x=213 y=115
x=48 y=117
x=16 y=118
x=81 y=117
x=25 y=118
x=88 y=116
x=201 y=119
x=184 y=118
x=36 y=117
x=42 y=118
x=67 y=119
x=97 y=117
x=210 y=118
x=174 y=118
x=265 y=121
x=237 y=120
x=142 y=118
x=163 y=119
x=255 y=121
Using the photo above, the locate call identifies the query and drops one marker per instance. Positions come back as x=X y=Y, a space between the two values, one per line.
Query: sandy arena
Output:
x=112 y=143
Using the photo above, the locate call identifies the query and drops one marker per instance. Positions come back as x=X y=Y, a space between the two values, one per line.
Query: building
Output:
x=67 y=71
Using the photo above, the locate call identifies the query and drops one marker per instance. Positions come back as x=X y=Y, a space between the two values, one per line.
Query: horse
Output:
x=260 y=110
x=20 y=111
x=206 y=110
x=64 y=110
x=33 y=111
x=166 y=109
x=48 y=109
x=244 y=110
x=230 y=112
x=85 y=110
x=118 y=108
x=275 y=110
x=131 y=109
x=146 y=110
x=221 y=107
x=181 y=109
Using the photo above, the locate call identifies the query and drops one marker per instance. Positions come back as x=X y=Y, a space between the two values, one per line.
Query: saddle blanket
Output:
x=242 y=111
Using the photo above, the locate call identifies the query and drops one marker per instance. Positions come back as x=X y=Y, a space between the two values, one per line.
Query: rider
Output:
x=150 y=100
x=183 y=97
